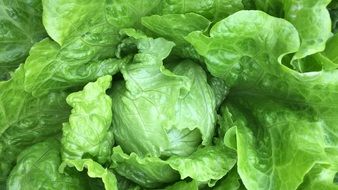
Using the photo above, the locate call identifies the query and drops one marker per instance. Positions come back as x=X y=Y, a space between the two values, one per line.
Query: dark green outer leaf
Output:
x=20 y=27
x=25 y=120
x=37 y=168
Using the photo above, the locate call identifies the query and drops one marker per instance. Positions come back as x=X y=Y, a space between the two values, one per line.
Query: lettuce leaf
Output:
x=25 y=119
x=91 y=117
x=37 y=168
x=21 y=27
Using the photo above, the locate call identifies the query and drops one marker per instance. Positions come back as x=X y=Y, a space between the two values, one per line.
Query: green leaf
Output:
x=124 y=183
x=219 y=88
x=37 y=168
x=270 y=147
x=319 y=177
x=309 y=15
x=88 y=131
x=53 y=70
x=326 y=60
x=253 y=64
x=183 y=185
x=175 y=27
x=153 y=107
x=206 y=165
x=245 y=50
x=25 y=120
x=244 y=43
x=21 y=27
x=126 y=13
x=94 y=170
x=65 y=20
x=311 y=19
x=230 y=138
x=147 y=171
x=211 y=9
x=272 y=7
x=331 y=49
x=334 y=18
x=230 y=182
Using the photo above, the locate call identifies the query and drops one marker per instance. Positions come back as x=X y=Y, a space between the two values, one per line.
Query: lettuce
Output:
x=199 y=94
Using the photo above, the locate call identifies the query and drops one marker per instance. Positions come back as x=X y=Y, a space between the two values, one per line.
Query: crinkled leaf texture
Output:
x=311 y=19
x=205 y=166
x=50 y=67
x=269 y=148
x=208 y=164
x=163 y=119
x=21 y=26
x=175 y=27
x=282 y=117
x=149 y=172
x=155 y=108
x=37 y=168
x=64 y=25
x=309 y=15
x=25 y=120
x=88 y=130
x=94 y=170
x=271 y=79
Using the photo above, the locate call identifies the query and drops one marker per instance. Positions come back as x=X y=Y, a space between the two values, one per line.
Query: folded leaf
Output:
x=245 y=51
x=310 y=18
x=175 y=27
x=244 y=43
x=230 y=182
x=147 y=171
x=62 y=68
x=94 y=170
x=270 y=145
x=320 y=177
x=207 y=164
x=156 y=109
x=309 y=15
x=331 y=49
x=88 y=130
